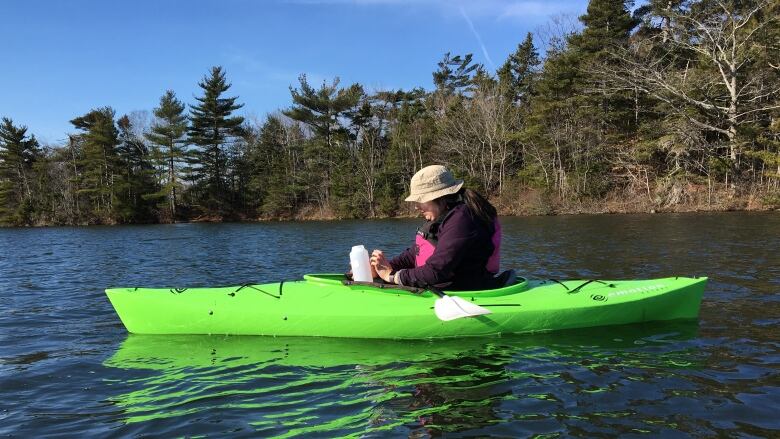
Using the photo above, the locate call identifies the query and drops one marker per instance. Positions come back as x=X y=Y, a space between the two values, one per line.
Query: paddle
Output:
x=449 y=308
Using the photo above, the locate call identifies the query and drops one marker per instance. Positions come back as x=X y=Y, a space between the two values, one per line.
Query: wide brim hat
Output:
x=432 y=182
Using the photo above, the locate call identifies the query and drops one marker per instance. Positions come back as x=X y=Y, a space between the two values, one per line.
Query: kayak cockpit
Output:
x=342 y=280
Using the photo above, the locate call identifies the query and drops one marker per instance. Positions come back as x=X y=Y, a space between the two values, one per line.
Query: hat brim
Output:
x=432 y=195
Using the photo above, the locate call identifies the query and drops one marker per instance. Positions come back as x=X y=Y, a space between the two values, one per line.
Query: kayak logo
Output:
x=598 y=297
x=646 y=289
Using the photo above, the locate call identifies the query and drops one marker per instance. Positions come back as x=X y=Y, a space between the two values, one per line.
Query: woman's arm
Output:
x=403 y=260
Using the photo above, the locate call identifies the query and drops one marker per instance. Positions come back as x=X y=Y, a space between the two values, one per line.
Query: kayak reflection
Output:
x=303 y=385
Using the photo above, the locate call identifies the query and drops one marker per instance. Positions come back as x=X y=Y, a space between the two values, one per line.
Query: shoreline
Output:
x=528 y=209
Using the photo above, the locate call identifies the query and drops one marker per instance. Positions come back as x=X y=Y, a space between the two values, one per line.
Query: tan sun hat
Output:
x=432 y=182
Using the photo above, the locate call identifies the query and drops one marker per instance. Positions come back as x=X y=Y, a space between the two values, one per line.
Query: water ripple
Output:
x=67 y=366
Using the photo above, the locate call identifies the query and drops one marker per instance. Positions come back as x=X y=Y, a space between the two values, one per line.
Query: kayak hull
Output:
x=321 y=306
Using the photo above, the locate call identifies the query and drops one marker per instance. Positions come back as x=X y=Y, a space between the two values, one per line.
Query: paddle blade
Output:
x=450 y=308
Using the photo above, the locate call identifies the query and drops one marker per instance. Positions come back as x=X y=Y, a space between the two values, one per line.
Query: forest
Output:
x=668 y=106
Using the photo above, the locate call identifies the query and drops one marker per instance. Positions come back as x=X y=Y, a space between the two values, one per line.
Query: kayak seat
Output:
x=505 y=279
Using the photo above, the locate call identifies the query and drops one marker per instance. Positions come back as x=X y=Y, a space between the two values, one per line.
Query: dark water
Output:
x=68 y=367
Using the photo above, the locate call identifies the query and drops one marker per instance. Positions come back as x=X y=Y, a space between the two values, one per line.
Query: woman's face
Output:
x=430 y=209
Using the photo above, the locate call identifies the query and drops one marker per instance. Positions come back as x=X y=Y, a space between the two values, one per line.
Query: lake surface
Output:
x=68 y=367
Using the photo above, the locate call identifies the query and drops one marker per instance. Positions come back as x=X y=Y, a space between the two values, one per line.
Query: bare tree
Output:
x=478 y=135
x=369 y=147
x=554 y=34
x=704 y=66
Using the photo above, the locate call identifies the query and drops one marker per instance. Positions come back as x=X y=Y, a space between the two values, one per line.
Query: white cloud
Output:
x=479 y=39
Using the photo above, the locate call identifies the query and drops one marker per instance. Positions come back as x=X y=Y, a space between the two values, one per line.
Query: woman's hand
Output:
x=380 y=266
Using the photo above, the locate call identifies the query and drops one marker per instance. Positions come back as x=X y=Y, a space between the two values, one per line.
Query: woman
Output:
x=458 y=246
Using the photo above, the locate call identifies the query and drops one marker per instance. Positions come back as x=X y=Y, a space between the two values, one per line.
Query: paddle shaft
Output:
x=436 y=291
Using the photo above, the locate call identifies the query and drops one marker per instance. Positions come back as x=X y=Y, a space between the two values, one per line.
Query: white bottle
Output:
x=358 y=259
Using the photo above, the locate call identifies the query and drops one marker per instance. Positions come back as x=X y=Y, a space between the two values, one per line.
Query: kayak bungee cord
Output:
x=248 y=285
x=241 y=287
x=577 y=289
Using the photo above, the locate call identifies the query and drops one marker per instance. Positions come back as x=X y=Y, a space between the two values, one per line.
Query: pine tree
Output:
x=516 y=75
x=608 y=24
x=212 y=129
x=369 y=123
x=97 y=162
x=168 y=138
x=576 y=121
x=412 y=132
x=18 y=154
x=137 y=185
x=239 y=170
x=482 y=80
x=277 y=168
x=559 y=132
x=321 y=110
x=454 y=73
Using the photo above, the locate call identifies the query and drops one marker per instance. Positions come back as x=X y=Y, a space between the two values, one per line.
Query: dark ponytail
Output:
x=479 y=206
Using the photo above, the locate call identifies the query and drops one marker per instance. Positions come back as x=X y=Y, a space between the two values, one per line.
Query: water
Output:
x=68 y=367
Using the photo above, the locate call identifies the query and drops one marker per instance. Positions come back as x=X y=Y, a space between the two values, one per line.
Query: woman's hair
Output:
x=477 y=204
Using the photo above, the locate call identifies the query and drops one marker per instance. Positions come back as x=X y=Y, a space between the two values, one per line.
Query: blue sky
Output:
x=67 y=57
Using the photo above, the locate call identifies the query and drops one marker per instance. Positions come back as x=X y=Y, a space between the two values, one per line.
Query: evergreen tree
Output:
x=97 y=162
x=259 y=163
x=137 y=185
x=239 y=170
x=212 y=129
x=454 y=73
x=412 y=132
x=768 y=69
x=608 y=24
x=322 y=110
x=370 y=123
x=168 y=138
x=516 y=75
x=561 y=133
x=576 y=119
x=482 y=80
x=18 y=155
x=277 y=175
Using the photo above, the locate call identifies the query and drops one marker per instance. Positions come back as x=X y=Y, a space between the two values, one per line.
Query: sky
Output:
x=68 y=57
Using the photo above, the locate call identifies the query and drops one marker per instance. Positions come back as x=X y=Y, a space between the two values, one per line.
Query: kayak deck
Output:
x=321 y=305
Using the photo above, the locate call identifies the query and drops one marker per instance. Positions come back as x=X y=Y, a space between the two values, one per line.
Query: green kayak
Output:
x=326 y=305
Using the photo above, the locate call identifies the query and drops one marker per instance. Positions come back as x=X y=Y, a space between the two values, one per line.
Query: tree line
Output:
x=672 y=103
